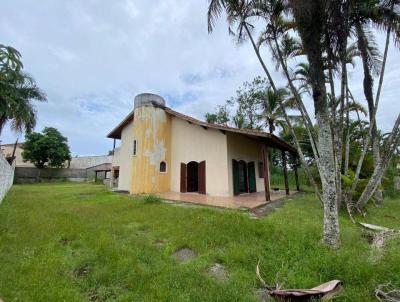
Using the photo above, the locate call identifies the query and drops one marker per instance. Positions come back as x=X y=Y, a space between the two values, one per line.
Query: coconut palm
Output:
x=383 y=15
x=271 y=111
x=17 y=91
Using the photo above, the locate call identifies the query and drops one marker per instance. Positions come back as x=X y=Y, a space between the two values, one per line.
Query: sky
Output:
x=92 y=57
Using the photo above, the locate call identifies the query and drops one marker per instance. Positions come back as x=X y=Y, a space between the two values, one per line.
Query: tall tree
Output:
x=17 y=91
x=49 y=148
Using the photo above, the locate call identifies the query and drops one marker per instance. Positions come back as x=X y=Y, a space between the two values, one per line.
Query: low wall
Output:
x=83 y=162
x=6 y=177
x=31 y=175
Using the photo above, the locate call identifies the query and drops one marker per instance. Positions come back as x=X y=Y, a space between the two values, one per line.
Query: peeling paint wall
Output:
x=152 y=131
x=194 y=143
x=249 y=150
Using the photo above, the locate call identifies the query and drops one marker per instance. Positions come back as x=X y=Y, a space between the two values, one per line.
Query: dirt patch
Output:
x=64 y=241
x=184 y=255
x=82 y=271
x=101 y=294
x=218 y=271
x=159 y=243
x=268 y=208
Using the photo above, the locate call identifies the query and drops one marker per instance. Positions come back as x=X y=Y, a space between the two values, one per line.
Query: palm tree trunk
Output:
x=300 y=104
x=310 y=30
x=368 y=92
x=296 y=141
x=378 y=193
x=379 y=170
x=257 y=51
x=347 y=147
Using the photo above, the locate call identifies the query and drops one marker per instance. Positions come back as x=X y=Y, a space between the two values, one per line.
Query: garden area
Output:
x=80 y=242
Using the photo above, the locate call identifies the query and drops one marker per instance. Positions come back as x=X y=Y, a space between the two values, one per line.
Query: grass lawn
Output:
x=78 y=242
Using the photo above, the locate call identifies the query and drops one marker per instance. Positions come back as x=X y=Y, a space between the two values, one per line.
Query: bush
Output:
x=151 y=199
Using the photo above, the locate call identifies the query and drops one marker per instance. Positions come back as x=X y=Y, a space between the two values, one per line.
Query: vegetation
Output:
x=78 y=242
x=325 y=36
x=257 y=106
x=17 y=91
x=48 y=148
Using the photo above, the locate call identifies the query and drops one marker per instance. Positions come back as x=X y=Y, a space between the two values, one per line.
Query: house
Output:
x=13 y=152
x=165 y=152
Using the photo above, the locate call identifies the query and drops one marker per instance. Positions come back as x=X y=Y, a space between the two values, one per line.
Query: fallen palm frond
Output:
x=325 y=291
x=381 y=233
x=378 y=235
x=387 y=293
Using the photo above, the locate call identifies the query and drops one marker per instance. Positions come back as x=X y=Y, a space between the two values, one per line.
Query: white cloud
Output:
x=93 y=57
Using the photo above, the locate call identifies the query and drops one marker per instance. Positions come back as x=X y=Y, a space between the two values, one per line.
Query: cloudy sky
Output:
x=92 y=57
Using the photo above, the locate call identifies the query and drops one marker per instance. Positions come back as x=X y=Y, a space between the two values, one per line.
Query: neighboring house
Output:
x=78 y=162
x=8 y=150
x=165 y=151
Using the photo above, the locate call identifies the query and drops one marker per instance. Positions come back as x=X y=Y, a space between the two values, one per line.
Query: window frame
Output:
x=166 y=167
x=135 y=147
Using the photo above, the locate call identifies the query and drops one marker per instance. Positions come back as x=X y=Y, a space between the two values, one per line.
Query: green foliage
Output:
x=221 y=117
x=79 y=242
x=151 y=198
x=257 y=106
x=47 y=148
x=17 y=90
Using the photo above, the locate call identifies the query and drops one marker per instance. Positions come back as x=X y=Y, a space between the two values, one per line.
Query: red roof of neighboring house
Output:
x=271 y=139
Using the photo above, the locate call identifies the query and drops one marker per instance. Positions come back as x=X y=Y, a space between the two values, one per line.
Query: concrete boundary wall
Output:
x=83 y=162
x=31 y=175
x=6 y=177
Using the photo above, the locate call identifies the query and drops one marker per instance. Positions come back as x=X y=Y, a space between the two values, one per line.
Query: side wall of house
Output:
x=152 y=132
x=243 y=148
x=125 y=158
x=194 y=143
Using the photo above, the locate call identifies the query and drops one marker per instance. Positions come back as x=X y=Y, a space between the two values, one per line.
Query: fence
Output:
x=31 y=175
x=6 y=177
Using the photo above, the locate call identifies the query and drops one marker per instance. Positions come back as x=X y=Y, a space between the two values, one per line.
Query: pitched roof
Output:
x=270 y=139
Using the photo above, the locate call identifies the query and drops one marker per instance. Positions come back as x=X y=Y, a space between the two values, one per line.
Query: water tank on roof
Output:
x=148 y=99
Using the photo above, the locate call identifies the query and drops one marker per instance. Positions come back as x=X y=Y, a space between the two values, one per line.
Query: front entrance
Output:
x=193 y=176
x=244 y=177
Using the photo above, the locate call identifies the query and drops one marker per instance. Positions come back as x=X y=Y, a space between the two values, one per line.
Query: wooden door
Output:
x=183 y=178
x=235 y=173
x=243 y=181
x=202 y=177
x=192 y=176
x=251 y=172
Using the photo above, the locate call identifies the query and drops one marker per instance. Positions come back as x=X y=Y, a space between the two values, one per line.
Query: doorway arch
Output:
x=193 y=176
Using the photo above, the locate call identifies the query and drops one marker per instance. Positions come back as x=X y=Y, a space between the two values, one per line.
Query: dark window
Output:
x=260 y=169
x=163 y=167
x=134 y=147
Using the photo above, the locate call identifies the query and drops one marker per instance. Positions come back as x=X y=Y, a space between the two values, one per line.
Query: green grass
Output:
x=78 y=242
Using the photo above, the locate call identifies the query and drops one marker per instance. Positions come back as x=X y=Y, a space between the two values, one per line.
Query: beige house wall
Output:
x=7 y=151
x=124 y=158
x=243 y=148
x=191 y=142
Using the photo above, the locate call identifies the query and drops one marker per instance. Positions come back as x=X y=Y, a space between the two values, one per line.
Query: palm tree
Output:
x=271 y=111
x=383 y=15
x=17 y=90
x=239 y=12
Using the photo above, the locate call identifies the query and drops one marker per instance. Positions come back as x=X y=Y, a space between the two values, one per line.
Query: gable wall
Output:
x=191 y=142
